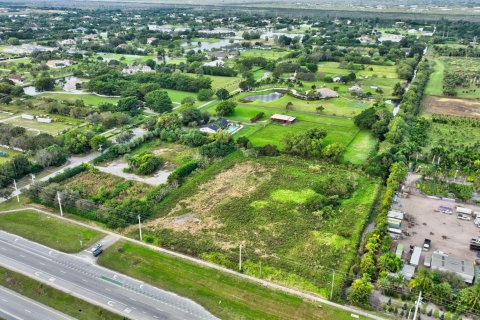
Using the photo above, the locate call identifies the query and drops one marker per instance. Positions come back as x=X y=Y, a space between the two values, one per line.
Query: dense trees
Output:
x=158 y=101
x=311 y=145
x=226 y=108
x=222 y=94
x=44 y=84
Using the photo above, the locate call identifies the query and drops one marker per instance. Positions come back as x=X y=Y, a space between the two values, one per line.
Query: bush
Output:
x=183 y=171
x=257 y=117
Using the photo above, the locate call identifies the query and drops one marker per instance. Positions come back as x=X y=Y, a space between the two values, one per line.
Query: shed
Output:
x=395 y=230
x=408 y=271
x=427 y=262
x=462 y=268
x=283 y=118
x=394 y=223
x=415 y=258
x=27 y=116
x=395 y=214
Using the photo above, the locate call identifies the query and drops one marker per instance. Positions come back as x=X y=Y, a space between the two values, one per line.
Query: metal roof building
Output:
x=462 y=268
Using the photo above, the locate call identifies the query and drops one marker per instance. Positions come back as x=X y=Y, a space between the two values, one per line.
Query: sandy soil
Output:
x=452 y=106
x=236 y=182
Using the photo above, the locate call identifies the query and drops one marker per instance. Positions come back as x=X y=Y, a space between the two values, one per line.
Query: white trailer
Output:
x=463 y=210
x=415 y=258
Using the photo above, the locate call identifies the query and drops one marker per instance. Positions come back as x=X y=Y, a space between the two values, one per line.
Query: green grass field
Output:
x=332 y=68
x=128 y=59
x=262 y=203
x=54 y=298
x=464 y=67
x=9 y=156
x=52 y=128
x=272 y=54
x=88 y=99
x=358 y=150
x=229 y=83
x=48 y=231
x=178 y=96
x=226 y=296
x=435 y=83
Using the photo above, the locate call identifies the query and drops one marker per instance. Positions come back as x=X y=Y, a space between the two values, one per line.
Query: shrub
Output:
x=183 y=171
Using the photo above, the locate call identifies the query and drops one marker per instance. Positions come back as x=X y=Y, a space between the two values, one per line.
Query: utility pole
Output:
x=140 y=227
x=16 y=189
x=60 y=203
x=333 y=281
x=33 y=177
x=240 y=258
x=260 y=269
x=419 y=300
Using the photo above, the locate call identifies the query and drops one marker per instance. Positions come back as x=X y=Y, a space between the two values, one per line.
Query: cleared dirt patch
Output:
x=452 y=106
x=236 y=182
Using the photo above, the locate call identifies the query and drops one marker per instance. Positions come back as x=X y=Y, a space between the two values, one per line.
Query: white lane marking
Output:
x=4 y=300
x=106 y=289
x=110 y=303
x=62 y=271
x=28 y=311
x=84 y=280
x=42 y=264
x=132 y=299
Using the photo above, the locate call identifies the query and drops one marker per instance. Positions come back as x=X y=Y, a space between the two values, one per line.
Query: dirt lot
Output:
x=116 y=168
x=448 y=234
x=451 y=106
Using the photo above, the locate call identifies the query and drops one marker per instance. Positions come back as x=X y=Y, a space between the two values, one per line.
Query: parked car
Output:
x=464 y=217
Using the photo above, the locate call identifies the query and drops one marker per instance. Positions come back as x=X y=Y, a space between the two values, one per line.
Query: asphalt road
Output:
x=83 y=279
x=14 y=306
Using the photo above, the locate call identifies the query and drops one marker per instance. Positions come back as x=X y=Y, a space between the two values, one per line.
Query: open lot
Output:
x=263 y=204
x=452 y=106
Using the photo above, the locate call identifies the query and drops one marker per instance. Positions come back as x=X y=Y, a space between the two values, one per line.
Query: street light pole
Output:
x=60 y=203
x=417 y=305
x=140 y=227
x=16 y=189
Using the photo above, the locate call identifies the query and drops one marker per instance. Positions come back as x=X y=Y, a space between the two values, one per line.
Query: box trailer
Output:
x=395 y=231
x=415 y=258
x=394 y=214
x=394 y=223
x=463 y=210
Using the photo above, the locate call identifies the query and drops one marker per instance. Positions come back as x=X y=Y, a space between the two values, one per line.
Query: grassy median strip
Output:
x=224 y=295
x=54 y=298
x=49 y=231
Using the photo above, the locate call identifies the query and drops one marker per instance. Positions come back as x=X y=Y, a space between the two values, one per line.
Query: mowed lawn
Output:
x=377 y=70
x=9 y=156
x=275 y=133
x=229 y=83
x=358 y=150
x=224 y=295
x=88 y=99
x=49 y=231
x=435 y=83
x=52 y=128
x=272 y=54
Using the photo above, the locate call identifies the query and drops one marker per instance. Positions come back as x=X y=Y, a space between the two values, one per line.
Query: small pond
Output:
x=264 y=97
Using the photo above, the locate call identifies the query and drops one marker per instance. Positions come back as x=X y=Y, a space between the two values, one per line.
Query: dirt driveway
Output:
x=116 y=168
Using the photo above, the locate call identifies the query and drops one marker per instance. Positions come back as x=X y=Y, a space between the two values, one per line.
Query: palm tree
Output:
x=470 y=297
x=161 y=55
x=423 y=281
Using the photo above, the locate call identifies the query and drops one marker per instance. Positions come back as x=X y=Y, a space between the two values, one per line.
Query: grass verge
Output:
x=54 y=298
x=48 y=231
x=226 y=296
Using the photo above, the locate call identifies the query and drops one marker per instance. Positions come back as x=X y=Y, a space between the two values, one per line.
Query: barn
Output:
x=283 y=118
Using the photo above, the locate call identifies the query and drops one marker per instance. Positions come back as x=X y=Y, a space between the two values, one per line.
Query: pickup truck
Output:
x=426 y=244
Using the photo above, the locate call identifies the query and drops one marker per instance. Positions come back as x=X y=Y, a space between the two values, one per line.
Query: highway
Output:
x=14 y=306
x=81 y=278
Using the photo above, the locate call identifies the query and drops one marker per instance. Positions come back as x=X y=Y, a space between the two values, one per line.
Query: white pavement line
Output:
x=10 y=315
x=59 y=287
x=271 y=285
x=33 y=302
